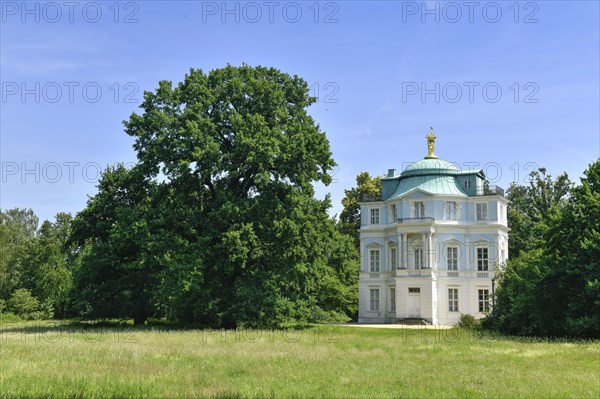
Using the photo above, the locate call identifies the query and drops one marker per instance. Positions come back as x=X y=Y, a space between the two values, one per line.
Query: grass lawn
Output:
x=74 y=360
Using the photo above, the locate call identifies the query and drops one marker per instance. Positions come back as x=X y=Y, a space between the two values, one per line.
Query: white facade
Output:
x=430 y=248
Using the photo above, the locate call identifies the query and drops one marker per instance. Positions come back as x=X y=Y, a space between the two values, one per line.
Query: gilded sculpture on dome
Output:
x=431 y=144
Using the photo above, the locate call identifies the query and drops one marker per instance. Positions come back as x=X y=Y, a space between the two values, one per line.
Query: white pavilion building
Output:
x=431 y=246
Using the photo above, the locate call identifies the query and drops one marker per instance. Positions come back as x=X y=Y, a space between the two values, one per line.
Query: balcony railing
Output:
x=415 y=220
x=413 y=272
x=426 y=272
x=445 y=273
x=491 y=190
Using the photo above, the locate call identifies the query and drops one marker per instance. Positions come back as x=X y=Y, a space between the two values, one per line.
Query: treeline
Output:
x=36 y=267
x=551 y=285
x=44 y=274
x=124 y=256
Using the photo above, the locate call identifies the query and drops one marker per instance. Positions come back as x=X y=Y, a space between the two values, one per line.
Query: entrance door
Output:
x=413 y=303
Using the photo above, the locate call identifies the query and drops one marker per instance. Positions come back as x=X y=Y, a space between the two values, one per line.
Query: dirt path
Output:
x=400 y=326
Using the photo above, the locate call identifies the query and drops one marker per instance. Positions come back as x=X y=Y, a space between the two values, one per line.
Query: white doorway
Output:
x=413 y=303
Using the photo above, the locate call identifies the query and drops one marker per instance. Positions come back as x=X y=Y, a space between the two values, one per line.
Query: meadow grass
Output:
x=61 y=359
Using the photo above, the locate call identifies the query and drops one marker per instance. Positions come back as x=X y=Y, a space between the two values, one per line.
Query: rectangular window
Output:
x=484 y=301
x=374 y=260
x=393 y=213
x=451 y=210
x=482 y=259
x=419 y=210
x=374 y=216
x=418 y=258
x=452 y=258
x=453 y=299
x=392 y=299
x=414 y=290
x=374 y=299
x=481 y=211
x=394 y=260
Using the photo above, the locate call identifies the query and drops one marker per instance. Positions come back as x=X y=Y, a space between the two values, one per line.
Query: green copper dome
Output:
x=434 y=185
x=432 y=176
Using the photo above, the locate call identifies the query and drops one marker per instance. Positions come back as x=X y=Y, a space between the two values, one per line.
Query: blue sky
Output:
x=507 y=86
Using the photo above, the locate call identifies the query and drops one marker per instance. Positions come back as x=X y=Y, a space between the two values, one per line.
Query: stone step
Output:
x=412 y=322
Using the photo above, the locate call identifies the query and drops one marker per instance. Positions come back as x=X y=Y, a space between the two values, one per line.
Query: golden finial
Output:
x=431 y=144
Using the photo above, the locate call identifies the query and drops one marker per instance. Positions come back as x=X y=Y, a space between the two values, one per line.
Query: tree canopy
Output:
x=35 y=267
x=367 y=189
x=531 y=207
x=552 y=286
x=217 y=223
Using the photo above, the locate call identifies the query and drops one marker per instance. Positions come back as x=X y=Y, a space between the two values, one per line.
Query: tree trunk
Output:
x=139 y=319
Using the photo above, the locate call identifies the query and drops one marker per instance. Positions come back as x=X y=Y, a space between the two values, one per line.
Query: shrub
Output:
x=2 y=305
x=488 y=322
x=46 y=309
x=9 y=318
x=329 y=316
x=467 y=321
x=23 y=304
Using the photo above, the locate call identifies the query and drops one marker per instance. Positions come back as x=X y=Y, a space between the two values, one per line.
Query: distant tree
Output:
x=23 y=304
x=44 y=266
x=571 y=287
x=367 y=189
x=24 y=222
x=17 y=228
x=530 y=209
x=552 y=288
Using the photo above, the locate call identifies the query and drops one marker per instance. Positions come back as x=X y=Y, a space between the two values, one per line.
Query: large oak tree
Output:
x=217 y=223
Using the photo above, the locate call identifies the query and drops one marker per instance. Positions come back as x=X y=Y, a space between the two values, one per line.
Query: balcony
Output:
x=375 y=275
x=491 y=190
x=413 y=272
x=466 y=274
x=421 y=220
x=445 y=273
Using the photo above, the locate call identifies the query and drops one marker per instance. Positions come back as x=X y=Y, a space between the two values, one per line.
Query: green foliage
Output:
x=467 y=321
x=23 y=304
x=554 y=289
x=367 y=189
x=217 y=224
x=574 y=254
x=517 y=309
x=45 y=268
x=17 y=229
x=9 y=318
x=115 y=279
x=531 y=207
x=35 y=260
